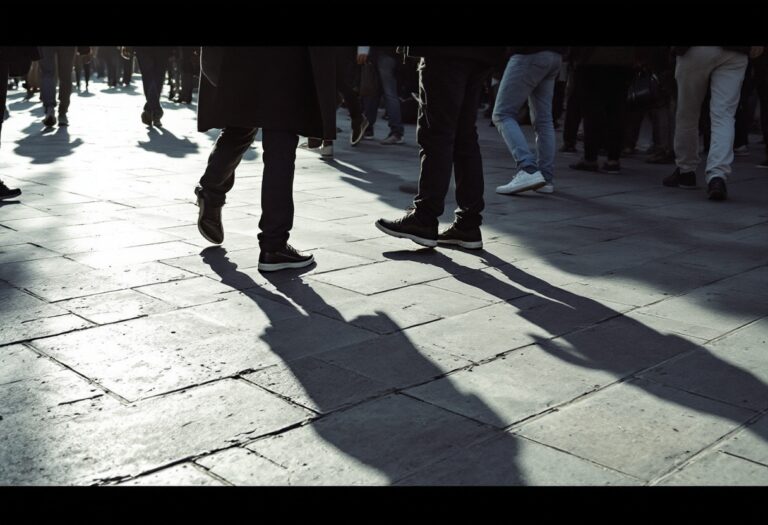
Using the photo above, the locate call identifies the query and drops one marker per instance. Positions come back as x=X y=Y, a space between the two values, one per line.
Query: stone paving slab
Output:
x=652 y=428
x=179 y=475
x=750 y=443
x=117 y=442
x=719 y=469
x=511 y=460
x=375 y=444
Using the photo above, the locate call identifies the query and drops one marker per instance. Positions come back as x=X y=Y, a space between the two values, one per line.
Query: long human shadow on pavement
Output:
x=394 y=434
x=636 y=347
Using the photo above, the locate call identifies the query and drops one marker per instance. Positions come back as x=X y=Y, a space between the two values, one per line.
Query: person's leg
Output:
x=277 y=189
x=48 y=82
x=692 y=73
x=726 y=81
x=572 y=110
x=65 y=58
x=228 y=151
x=541 y=103
x=442 y=85
x=518 y=82
x=387 y=66
x=761 y=84
x=743 y=115
x=615 y=84
x=592 y=107
x=467 y=161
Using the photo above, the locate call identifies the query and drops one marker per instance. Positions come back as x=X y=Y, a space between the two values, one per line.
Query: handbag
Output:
x=645 y=91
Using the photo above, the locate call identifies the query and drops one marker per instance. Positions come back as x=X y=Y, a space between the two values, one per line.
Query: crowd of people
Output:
x=700 y=99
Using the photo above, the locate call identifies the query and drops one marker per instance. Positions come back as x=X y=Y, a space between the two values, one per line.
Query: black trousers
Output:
x=153 y=62
x=276 y=185
x=604 y=96
x=345 y=67
x=449 y=92
x=4 y=71
x=573 y=110
x=761 y=83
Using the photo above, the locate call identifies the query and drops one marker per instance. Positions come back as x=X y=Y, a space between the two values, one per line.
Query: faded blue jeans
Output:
x=529 y=78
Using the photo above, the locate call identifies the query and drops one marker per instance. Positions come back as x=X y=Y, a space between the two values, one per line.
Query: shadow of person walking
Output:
x=685 y=376
x=371 y=432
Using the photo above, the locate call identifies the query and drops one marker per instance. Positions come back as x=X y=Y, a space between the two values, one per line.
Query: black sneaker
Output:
x=8 y=193
x=146 y=118
x=584 y=165
x=50 y=118
x=677 y=179
x=283 y=259
x=209 y=219
x=763 y=164
x=156 y=120
x=471 y=239
x=716 y=189
x=568 y=148
x=409 y=227
x=359 y=127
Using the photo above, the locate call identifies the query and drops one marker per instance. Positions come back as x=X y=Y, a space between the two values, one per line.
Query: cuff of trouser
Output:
x=210 y=197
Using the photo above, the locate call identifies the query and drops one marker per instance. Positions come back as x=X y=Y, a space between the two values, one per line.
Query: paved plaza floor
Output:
x=612 y=333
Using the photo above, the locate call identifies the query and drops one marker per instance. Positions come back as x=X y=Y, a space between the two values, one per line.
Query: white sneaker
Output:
x=547 y=188
x=741 y=151
x=326 y=150
x=522 y=181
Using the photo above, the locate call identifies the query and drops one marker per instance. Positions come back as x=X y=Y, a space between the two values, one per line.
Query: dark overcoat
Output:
x=273 y=87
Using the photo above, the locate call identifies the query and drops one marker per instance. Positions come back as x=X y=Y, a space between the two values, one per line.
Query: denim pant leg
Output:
x=48 y=76
x=692 y=72
x=725 y=83
x=516 y=85
x=277 y=188
x=387 y=66
x=541 y=104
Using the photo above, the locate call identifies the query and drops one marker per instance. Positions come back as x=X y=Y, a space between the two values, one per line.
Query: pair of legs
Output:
x=529 y=79
x=386 y=65
x=277 y=182
x=56 y=65
x=449 y=92
x=721 y=71
x=153 y=62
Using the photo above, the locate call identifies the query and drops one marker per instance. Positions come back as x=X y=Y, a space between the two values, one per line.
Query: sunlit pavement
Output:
x=613 y=333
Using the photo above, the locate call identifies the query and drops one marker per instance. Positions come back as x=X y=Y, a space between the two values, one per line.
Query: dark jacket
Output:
x=19 y=59
x=274 y=87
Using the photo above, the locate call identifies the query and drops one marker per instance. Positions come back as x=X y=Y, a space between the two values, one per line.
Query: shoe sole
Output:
x=362 y=132
x=534 y=186
x=201 y=206
x=470 y=245
x=545 y=192
x=273 y=267
x=429 y=243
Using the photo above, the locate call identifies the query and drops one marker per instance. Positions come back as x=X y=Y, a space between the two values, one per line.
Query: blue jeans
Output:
x=529 y=78
x=387 y=66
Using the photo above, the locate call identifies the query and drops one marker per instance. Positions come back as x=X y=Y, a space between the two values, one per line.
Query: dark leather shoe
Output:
x=146 y=118
x=283 y=259
x=716 y=189
x=678 y=179
x=209 y=218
